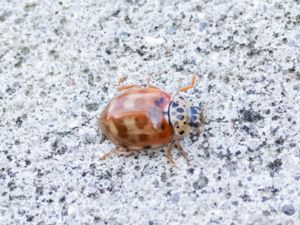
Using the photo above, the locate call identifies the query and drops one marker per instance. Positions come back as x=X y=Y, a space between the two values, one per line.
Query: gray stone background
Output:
x=59 y=63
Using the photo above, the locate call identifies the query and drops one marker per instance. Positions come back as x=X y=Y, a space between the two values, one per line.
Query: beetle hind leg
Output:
x=122 y=87
x=128 y=152
x=117 y=150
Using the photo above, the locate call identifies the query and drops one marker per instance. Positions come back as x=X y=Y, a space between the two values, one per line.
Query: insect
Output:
x=149 y=118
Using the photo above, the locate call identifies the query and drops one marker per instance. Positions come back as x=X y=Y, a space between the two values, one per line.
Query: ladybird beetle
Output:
x=149 y=118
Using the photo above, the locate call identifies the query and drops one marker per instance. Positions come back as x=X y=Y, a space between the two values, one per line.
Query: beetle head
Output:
x=184 y=118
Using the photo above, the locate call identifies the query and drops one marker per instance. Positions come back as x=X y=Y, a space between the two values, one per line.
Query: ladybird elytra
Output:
x=148 y=118
x=133 y=119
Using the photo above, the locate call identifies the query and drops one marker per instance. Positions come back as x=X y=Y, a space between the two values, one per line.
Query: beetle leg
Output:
x=181 y=149
x=127 y=152
x=109 y=153
x=188 y=87
x=130 y=152
x=202 y=123
x=124 y=87
x=169 y=154
x=202 y=120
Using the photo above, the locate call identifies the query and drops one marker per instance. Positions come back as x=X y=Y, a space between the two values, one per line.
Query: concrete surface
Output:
x=59 y=63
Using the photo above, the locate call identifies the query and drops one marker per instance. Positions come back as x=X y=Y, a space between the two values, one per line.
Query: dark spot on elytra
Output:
x=123 y=134
x=181 y=132
x=124 y=146
x=157 y=103
x=180 y=117
x=161 y=100
x=122 y=129
x=131 y=139
x=179 y=110
x=174 y=104
x=141 y=121
x=162 y=126
x=163 y=134
x=143 y=137
x=147 y=147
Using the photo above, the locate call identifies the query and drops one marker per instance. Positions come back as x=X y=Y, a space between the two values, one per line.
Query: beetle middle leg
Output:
x=169 y=154
x=122 y=87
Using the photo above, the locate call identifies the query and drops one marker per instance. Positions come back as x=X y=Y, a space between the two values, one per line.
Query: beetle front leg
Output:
x=188 y=87
x=181 y=149
x=202 y=120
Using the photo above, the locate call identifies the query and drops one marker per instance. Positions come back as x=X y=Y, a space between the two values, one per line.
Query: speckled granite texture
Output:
x=59 y=63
